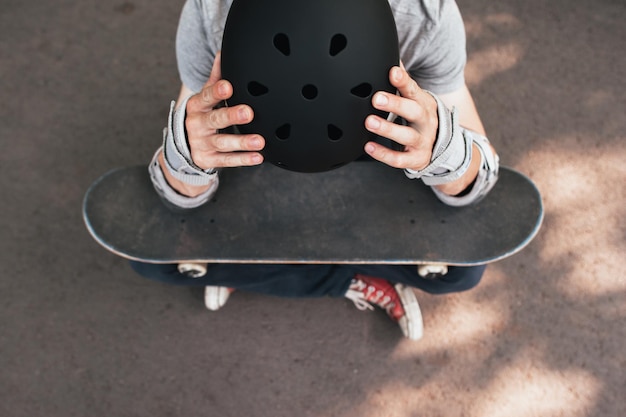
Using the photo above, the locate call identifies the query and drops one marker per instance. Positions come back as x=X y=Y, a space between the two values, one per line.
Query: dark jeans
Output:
x=311 y=280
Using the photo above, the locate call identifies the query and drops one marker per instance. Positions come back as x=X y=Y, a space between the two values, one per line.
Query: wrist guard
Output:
x=486 y=178
x=452 y=151
x=176 y=150
x=171 y=197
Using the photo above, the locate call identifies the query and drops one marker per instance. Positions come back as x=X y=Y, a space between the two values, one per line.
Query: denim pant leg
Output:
x=311 y=280
x=280 y=280
x=457 y=279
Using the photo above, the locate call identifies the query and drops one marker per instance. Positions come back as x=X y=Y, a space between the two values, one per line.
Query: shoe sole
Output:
x=414 y=328
x=215 y=297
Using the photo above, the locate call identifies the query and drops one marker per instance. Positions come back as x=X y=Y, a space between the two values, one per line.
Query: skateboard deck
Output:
x=363 y=213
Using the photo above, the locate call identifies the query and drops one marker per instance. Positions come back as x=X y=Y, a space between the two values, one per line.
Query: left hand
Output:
x=419 y=109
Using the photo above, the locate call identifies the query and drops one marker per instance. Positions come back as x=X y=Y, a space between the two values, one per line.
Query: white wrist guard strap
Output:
x=176 y=150
x=171 y=196
x=452 y=152
x=486 y=178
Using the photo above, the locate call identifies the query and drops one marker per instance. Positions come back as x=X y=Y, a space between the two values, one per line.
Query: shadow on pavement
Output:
x=86 y=87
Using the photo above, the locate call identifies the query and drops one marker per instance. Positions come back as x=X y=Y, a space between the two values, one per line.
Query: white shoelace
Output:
x=359 y=298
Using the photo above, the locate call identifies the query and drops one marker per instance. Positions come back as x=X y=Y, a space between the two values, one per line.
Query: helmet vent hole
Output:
x=283 y=131
x=281 y=42
x=337 y=44
x=257 y=89
x=309 y=91
x=362 y=90
x=334 y=133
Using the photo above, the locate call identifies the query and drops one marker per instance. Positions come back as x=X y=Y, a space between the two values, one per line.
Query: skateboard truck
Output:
x=432 y=271
x=193 y=269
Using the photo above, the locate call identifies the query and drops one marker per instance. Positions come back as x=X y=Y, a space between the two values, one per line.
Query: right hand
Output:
x=210 y=148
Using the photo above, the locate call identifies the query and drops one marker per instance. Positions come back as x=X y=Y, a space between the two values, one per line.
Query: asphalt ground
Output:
x=85 y=87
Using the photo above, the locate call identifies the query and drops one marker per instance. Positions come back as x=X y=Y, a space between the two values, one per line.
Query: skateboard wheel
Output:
x=192 y=270
x=432 y=271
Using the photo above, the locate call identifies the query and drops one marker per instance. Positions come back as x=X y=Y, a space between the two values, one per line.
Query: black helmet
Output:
x=308 y=69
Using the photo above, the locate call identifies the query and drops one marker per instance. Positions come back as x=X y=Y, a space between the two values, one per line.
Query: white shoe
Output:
x=216 y=297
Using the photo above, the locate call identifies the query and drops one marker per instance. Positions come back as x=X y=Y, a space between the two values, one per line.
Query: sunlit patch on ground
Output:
x=493 y=60
x=527 y=389
x=585 y=212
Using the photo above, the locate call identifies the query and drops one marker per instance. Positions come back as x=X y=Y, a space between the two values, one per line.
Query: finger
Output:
x=215 y=88
x=239 y=159
x=397 y=159
x=383 y=154
x=211 y=152
x=225 y=143
x=407 y=87
x=418 y=111
x=227 y=159
x=214 y=91
x=210 y=96
x=417 y=148
x=206 y=123
x=404 y=135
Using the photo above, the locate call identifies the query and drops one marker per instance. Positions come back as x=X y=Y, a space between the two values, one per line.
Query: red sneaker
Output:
x=397 y=300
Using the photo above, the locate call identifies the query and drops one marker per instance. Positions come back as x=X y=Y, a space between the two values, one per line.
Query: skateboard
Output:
x=362 y=213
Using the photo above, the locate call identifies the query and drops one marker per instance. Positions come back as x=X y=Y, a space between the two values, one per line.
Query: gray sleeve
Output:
x=194 y=52
x=440 y=61
x=432 y=42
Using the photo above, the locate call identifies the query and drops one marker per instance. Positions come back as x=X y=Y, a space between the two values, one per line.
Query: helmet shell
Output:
x=308 y=69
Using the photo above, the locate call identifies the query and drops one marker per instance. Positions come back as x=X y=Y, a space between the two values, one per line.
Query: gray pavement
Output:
x=85 y=87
